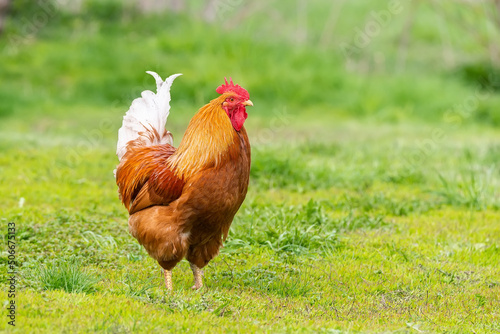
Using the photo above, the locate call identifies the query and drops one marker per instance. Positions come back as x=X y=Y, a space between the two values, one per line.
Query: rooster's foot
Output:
x=168 y=279
x=198 y=274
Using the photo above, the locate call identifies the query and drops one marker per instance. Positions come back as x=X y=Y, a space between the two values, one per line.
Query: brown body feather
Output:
x=182 y=202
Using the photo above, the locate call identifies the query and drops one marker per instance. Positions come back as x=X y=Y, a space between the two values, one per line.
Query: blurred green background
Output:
x=65 y=63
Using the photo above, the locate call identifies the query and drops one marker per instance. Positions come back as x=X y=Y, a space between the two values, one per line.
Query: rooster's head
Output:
x=235 y=103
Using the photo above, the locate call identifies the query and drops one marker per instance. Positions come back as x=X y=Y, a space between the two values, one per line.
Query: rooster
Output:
x=181 y=201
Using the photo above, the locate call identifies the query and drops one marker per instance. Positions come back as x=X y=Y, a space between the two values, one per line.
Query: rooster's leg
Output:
x=168 y=279
x=197 y=277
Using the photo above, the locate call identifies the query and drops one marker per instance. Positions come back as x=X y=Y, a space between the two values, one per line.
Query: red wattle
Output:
x=238 y=117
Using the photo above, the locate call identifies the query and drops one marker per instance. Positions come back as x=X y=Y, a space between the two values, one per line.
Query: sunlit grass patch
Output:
x=475 y=189
x=303 y=229
x=286 y=282
x=135 y=287
x=67 y=275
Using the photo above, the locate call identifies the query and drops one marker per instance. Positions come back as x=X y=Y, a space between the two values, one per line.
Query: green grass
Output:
x=374 y=197
x=65 y=274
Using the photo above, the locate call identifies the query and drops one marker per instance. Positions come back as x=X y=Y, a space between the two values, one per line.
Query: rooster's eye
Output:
x=231 y=100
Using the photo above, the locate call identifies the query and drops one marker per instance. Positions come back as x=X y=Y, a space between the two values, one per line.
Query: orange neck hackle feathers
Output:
x=207 y=139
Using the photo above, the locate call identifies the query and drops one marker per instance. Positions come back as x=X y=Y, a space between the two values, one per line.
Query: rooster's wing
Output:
x=144 y=179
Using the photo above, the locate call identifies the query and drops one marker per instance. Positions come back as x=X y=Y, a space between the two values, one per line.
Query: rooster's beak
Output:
x=248 y=103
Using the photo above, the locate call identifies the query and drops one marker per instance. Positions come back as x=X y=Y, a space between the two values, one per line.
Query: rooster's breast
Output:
x=212 y=197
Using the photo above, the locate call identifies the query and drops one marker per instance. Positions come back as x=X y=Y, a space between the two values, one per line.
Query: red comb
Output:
x=230 y=87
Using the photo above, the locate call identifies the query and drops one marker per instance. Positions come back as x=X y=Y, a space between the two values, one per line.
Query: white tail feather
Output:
x=149 y=112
